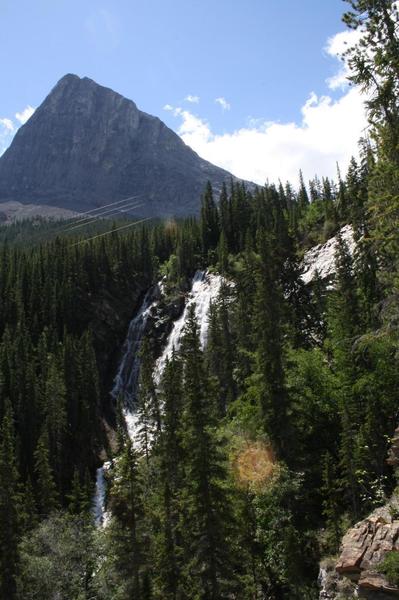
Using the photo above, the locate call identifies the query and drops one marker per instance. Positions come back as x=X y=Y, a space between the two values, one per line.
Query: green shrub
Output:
x=389 y=567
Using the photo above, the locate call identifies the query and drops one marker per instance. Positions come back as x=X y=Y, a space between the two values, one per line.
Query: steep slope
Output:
x=87 y=146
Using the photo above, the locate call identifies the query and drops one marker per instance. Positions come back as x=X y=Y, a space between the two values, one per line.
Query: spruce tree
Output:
x=207 y=521
x=273 y=399
x=125 y=548
x=10 y=517
x=148 y=410
x=46 y=489
x=209 y=222
x=168 y=535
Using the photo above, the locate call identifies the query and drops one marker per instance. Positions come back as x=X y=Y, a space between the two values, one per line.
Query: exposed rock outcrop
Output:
x=356 y=573
x=87 y=146
x=364 y=547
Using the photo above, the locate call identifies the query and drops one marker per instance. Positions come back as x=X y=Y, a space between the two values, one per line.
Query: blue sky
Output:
x=261 y=58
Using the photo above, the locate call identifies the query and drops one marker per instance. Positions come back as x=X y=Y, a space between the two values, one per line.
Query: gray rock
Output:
x=87 y=146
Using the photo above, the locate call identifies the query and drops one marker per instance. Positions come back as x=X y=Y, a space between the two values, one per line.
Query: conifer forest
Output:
x=192 y=409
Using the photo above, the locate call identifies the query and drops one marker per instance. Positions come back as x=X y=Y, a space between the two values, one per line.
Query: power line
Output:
x=111 y=231
x=82 y=215
x=109 y=212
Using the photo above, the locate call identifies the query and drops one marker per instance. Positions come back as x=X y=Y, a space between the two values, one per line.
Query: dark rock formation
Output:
x=161 y=319
x=87 y=146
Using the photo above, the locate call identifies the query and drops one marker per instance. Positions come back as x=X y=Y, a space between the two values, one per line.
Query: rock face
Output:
x=362 y=550
x=87 y=146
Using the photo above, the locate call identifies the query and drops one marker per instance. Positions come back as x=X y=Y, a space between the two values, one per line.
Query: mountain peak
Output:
x=87 y=146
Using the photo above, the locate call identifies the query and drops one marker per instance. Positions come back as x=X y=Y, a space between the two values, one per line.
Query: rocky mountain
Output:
x=87 y=146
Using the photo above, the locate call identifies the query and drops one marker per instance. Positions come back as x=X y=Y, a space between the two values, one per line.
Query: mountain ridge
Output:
x=87 y=145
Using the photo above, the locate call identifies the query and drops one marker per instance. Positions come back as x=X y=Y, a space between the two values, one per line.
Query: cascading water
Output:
x=204 y=289
x=127 y=377
x=125 y=387
x=99 y=501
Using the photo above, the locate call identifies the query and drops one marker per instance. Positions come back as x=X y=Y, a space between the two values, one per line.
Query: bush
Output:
x=389 y=567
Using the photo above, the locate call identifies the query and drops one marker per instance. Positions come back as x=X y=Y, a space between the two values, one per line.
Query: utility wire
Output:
x=82 y=215
x=111 y=231
x=108 y=212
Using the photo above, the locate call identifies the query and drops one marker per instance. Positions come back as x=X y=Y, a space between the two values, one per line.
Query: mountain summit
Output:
x=87 y=146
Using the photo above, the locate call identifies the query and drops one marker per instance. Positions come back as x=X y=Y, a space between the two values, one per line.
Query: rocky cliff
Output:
x=87 y=146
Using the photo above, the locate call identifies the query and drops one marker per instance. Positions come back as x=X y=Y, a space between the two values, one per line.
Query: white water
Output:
x=99 y=501
x=321 y=258
x=127 y=377
x=205 y=288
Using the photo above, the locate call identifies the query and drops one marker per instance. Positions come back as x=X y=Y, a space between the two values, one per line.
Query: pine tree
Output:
x=225 y=218
x=168 y=535
x=205 y=506
x=272 y=392
x=332 y=503
x=148 y=410
x=303 y=198
x=125 y=540
x=209 y=222
x=220 y=353
x=55 y=416
x=223 y=255
x=343 y=324
x=10 y=517
x=46 y=489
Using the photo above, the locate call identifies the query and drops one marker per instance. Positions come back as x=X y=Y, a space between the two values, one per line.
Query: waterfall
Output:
x=99 y=500
x=125 y=386
x=205 y=288
x=127 y=377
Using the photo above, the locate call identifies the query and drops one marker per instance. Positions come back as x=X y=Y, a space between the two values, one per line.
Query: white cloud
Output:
x=192 y=99
x=7 y=124
x=336 y=46
x=328 y=133
x=25 y=114
x=7 y=130
x=223 y=103
x=168 y=107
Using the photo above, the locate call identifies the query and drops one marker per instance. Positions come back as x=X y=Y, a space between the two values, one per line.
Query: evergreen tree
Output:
x=303 y=198
x=207 y=559
x=272 y=393
x=168 y=535
x=148 y=410
x=209 y=221
x=46 y=490
x=344 y=326
x=125 y=548
x=10 y=517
